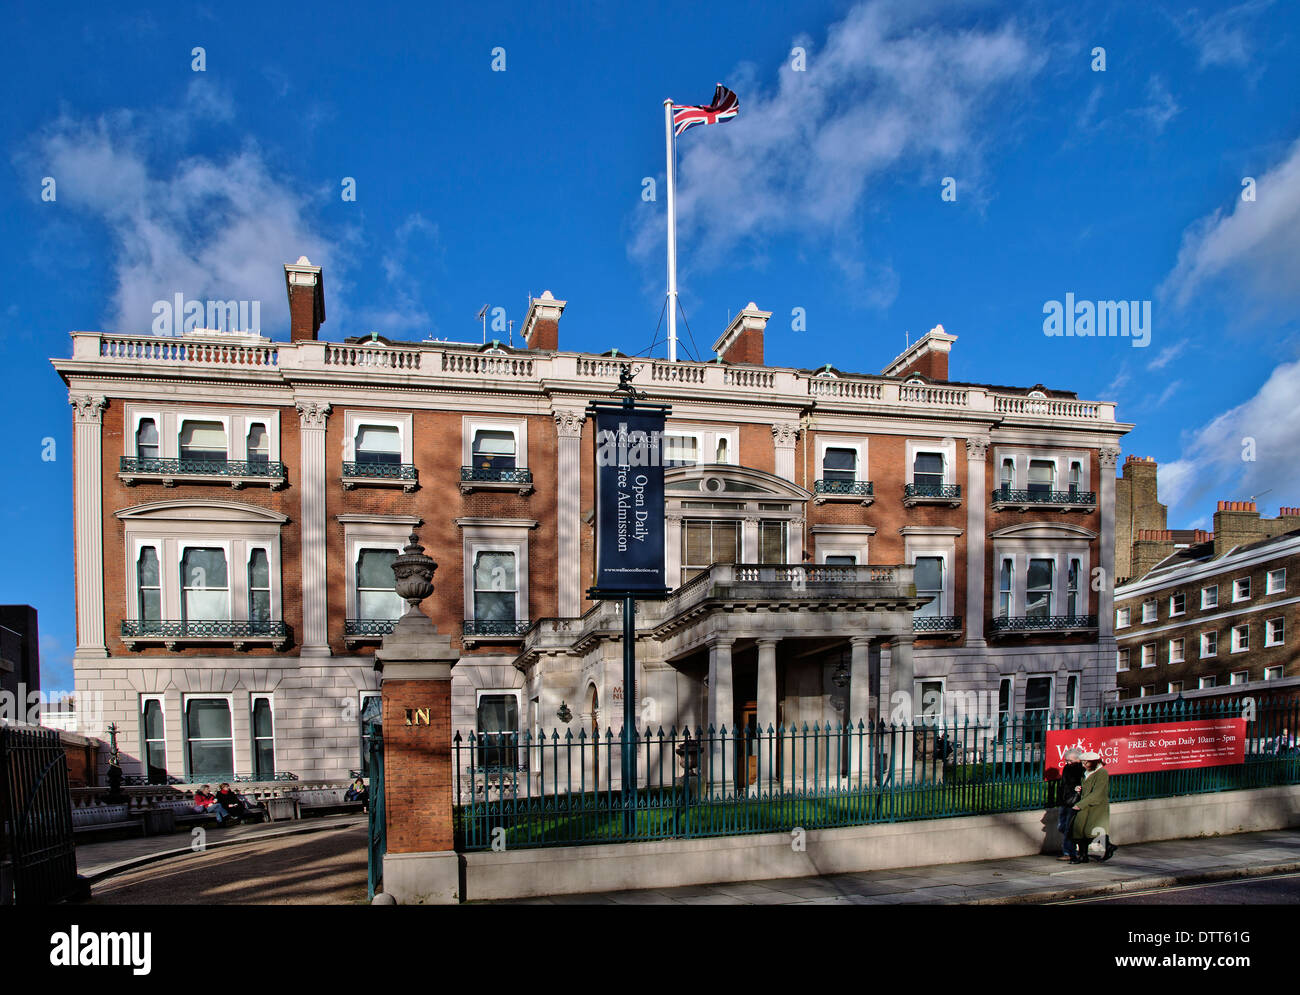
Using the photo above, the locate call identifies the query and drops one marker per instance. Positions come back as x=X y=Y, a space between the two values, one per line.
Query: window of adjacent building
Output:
x=1239 y=677
x=209 y=742
x=929 y=584
x=263 y=722
x=1209 y=644
x=1123 y=617
x=1240 y=638
x=1072 y=589
x=1042 y=476
x=205 y=585
x=927 y=470
x=1273 y=673
x=369 y=715
x=259 y=444
x=1207 y=682
x=1275 y=583
x=772 y=542
x=1038 y=589
x=203 y=440
x=1121 y=660
x=495 y=586
x=494 y=449
x=1008 y=474
x=705 y=542
x=1175 y=687
x=1148 y=611
x=1149 y=655
x=1176 y=650
x=1210 y=596
x=259 y=588
x=1241 y=589
x=375 y=595
x=680 y=450
x=1177 y=604
x=378 y=444
x=154 y=727
x=1274 y=632
x=1076 y=477
x=1148 y=690
x=149 y=585
x=498 y=728
x=840 y=464
x=146 y=439
x=1005 y=577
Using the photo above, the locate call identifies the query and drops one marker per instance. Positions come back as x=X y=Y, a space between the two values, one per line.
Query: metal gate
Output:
x=378 y=826
x=37 y=812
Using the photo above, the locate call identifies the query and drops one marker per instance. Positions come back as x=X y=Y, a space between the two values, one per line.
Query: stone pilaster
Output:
x=976 y=502
x=315 y=634
x=859 y=705
x=1107 y=458
x=88 y=449
x=568 y=430
x=784 y=436
x=721 y=712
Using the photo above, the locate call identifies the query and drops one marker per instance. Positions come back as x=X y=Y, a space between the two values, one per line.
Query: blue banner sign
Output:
x=629 y=501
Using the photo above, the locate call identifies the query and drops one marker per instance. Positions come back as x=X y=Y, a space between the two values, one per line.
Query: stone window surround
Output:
x=162 y=711
x=354 y=418
x=1060 y=458
x=252 y=730
x=706 y=439
x=516 y=693
x=189 y=696
x=1051 y=695
x=170 y=536
x=919 y=697
x=946 y=446
x=518 y=427
x=858 y=443
x=170 y=419
x=362 y=531
x=940 y=541
x=842 y=540
x=1061 y=551
x=499 y=535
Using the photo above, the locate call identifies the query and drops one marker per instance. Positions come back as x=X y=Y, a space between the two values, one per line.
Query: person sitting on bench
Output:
x=358 y=793
x=205 y=801
x=234 y=805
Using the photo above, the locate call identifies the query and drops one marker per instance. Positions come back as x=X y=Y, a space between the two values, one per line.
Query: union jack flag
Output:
x=724 y=108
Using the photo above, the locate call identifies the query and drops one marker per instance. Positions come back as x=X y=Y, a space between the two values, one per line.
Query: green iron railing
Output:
x=856 y=488
x=1006 y=495
x=201 y=467
x=1034 y=623
x=513 y=475
x=368 y=626
x=201 y=629
x=380 y=471
x=936 y=623
x=495 y=627
x=565 y=790
x=945 y=492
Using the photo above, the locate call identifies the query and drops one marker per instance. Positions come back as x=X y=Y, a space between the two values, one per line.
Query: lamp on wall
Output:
x=564 y=714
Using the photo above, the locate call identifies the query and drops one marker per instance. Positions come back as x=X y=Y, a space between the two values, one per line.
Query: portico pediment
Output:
x=1043 y=530
x=201 y=511
x=735 y=482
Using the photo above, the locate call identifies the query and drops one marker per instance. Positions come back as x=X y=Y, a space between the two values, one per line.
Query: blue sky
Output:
x=480 y=187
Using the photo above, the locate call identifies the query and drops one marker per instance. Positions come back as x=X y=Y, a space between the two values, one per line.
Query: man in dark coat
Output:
x=1068 y=795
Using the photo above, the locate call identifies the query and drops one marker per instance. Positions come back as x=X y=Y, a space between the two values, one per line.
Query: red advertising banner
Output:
x=1154 y=746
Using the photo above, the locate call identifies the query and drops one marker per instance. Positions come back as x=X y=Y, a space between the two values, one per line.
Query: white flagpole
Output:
x=672 y=237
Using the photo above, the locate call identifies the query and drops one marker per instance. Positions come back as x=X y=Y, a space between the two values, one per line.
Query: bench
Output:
x=319 y=801
x=104 y=819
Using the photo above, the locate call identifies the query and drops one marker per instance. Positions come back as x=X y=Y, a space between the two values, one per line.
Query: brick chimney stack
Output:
x=541 y=328
x=742 y=342
x=1235 y=524
x=927 y=356
x=1149 y=548
x=306 y=289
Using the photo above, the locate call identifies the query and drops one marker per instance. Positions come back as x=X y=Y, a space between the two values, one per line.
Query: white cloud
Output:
x=1222 y=39
x=1167 y=355
x=1257 y=242
x=1213 y=461
x=884 y=93
x=1160 y=108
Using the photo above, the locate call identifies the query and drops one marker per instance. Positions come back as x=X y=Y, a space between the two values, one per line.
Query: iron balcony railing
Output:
x=855 y=488
x=368 y=626
x=200 y=467
x=380 y=471
x=1006 y=495
x=945 y=492
x=513 y=475
x=201 y=629
x=936 y=623
x=566 y=787
x=1035 y=623
x=495 y=627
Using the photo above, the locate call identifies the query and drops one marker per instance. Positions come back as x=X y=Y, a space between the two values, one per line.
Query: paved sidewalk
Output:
x=100 y=860
x=1021 y=880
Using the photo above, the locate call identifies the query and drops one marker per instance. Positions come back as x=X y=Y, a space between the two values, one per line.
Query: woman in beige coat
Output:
x=1093 y=809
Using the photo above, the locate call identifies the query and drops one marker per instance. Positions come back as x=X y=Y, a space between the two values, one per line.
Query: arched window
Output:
x=146 y=439
x=1008 y=474
x=259 y=444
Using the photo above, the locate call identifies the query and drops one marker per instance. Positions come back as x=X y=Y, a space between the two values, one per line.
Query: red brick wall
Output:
x=417 y=766
x=747 y=347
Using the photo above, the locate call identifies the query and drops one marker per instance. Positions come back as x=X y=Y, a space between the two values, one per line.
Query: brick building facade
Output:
x=239 y=500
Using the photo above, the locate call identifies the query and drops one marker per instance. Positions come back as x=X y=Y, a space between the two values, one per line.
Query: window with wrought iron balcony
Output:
x=497 y=616
x=494 y=464
x=377 y=460
x=204 y=456
x=839 y=480
x=1042 y=490
x=378 y=605
x=1039 y=598
x=931 y=618
x=930 y=482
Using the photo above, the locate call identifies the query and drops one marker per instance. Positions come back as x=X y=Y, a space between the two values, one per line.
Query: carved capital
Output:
x=977 y=447
x=568 y=424
x=1108 y=456
x=313 y=413
x=88 y=409
x=784 y=435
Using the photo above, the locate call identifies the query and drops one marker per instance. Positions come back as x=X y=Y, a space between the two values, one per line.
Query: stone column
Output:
x=859 y=708
x=902 y=679
x=568 y=430
x=421 y=866
x=672 y=550
x=784 y=436
x=748 y=552
x=721 y=713
x=1106 y=645
x=767 y=715
x=976 y=502
x=314 y=640
x=88 y=452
